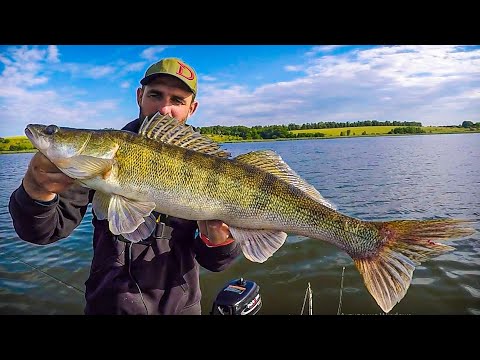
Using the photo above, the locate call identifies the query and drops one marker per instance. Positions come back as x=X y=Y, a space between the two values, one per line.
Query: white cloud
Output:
x=112 y=72
x=53 y=54
x=151 y=53
x=22 y=68
x=136 y=66
x=436 y=85
x=293 y=68
x=22 y=101
x=207 y=78
x=322 y=49
x=25 y=55
x=97 y=72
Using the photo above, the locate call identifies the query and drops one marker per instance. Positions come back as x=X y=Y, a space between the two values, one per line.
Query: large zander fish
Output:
x=172 y=169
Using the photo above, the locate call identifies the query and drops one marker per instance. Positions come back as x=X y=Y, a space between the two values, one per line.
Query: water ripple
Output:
x=384 y=178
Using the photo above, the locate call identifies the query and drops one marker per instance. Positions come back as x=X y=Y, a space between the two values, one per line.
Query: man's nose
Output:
x=165 y=109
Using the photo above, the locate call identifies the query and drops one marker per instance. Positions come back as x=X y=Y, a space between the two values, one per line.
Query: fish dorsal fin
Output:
x=271 y=162
x=167 y=129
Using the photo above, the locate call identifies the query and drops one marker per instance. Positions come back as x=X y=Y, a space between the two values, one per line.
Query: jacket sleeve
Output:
x=216 y=258
x=46 y=222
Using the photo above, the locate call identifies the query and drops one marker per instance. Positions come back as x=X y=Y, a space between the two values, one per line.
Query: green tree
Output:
x=467 y=124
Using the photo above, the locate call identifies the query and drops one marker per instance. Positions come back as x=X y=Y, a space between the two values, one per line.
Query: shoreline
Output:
x=17 y=152
x=347 y=137
x=4 y=152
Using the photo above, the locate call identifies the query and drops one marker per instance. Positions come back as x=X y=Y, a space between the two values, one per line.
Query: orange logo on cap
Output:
x=181 y=69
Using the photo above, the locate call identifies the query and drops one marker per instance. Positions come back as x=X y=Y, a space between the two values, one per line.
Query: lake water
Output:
x=377 y=178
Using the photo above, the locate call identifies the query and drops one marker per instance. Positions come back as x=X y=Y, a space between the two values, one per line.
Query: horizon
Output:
x=94 y=86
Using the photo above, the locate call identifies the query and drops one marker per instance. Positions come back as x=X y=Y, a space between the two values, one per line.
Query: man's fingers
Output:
x=215 y=230
x=208 y=226
x=215 y=224
x=43 y=179
x=41 y=163
x=59 y=178
x=202 y=226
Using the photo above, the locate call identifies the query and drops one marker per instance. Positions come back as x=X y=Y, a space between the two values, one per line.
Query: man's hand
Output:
x=44 y=180
x=215 y=230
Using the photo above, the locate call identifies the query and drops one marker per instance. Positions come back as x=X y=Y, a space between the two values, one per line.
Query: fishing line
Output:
x=74 y=287
x=129 y=244
x=308 y=293
x=45 y=273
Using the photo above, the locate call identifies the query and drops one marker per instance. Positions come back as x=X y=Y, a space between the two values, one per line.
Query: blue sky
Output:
x=93 y=86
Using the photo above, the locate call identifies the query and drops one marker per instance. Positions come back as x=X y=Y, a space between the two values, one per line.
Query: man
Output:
x=159 y=275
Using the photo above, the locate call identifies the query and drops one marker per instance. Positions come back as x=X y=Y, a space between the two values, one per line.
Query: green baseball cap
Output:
x=174 y=67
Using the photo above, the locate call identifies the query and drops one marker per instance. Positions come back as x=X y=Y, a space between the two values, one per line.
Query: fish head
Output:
x=79 y=153
x=58 y=142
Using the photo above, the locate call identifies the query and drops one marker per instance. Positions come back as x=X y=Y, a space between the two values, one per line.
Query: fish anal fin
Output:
x=386 y=282
x=169 y=130
x=258 y=245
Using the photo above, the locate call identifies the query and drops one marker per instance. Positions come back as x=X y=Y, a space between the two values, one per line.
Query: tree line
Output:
x=283 y=131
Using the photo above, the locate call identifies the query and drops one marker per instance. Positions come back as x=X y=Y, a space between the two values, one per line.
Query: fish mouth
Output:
x=36 y=136
x=29 y=134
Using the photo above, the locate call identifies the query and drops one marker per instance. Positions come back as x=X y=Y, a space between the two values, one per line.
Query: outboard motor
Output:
x=238 y=297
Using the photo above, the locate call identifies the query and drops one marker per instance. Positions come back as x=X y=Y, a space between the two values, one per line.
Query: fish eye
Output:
x=51 y=129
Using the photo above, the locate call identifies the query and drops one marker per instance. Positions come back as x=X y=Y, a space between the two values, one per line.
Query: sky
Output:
x=94 y=86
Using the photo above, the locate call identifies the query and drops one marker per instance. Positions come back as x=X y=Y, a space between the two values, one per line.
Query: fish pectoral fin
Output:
x=258 y=245
x=125 y=215
x=100 y=204
x=85 y=167
x=143 y=231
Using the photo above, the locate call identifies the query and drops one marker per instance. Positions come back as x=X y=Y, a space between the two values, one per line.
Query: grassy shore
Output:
x=16 y=144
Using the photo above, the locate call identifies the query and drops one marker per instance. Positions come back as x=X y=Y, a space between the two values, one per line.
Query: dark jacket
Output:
x=157 y=276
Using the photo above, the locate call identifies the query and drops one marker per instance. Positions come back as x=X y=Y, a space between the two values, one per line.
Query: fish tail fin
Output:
x=405 y=244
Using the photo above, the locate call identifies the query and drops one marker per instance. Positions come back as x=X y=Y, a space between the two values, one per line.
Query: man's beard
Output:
x=142 y=116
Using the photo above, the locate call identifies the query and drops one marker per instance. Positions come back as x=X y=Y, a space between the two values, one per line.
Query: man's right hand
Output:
x=44 y=180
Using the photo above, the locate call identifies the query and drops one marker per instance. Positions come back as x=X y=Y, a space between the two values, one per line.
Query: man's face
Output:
x=169 y=96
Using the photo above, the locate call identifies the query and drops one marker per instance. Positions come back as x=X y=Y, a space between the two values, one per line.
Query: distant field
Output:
x=223 y=138
x=379 y=130
x=354 y=131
